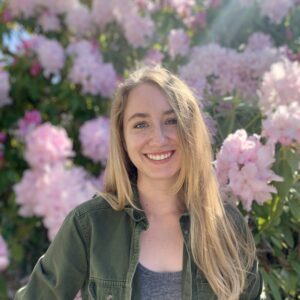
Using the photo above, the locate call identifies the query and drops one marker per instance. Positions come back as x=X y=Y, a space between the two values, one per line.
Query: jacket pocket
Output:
x=106 y=289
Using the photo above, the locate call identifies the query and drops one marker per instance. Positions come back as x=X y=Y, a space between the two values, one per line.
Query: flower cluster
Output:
x=49 y=22
x=103 y=12
x=79 y=21
x=51 y=56
x=29 y=8
x=94 y=138
x=227 y=69
x=31 y=119
x=4 y=88
x=178 y=43
x=243 y=167
x=47 y=145
x=275 y=10
x=279 y=100
x=89 y=71
x=4 y=254
x=280 y=86
x=52 y=193
x=283 y=125
x=53 y=186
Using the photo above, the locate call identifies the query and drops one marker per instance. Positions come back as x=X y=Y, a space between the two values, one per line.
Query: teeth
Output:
x=159 y=156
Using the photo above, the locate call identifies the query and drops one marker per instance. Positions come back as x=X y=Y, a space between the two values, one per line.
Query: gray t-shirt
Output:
x=158 y=285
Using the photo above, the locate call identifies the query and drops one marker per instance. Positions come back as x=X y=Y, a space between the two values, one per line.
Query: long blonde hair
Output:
x=219 y=250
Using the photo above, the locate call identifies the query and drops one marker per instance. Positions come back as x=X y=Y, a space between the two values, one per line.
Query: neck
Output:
x=157 y=199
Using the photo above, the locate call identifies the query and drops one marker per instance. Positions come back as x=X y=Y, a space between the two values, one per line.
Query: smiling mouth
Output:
x=158 y=157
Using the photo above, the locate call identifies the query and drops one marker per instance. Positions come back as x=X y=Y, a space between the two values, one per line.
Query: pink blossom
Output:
x=197 y=20
x=102 y=12
x=90 y=72
x=49 y=22
x=182 y=7
x=78 y=20
x=280 y=86
x=24 y=8
x=6 y=16
x=30 y=120
x=94 y=138
x=275 y=10
x=141 y=36
x=47 y=144
x=259 y=40
x=2 y=137
x=35 y=69
x=4 y=255
x=243 y=167
x=178 y=43
x=227 y=69
x=283 y=125
x=212 y=3
x=153 y=57
x=51 y=56
x=52 y=193
x=4 y=88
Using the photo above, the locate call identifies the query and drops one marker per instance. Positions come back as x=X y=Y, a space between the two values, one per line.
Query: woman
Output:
x=160 y=229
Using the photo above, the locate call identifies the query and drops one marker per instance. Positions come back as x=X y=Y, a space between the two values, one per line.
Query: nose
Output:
x=158 y=136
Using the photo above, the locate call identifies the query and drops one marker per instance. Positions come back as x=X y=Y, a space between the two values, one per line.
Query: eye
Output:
x=172 y=121
x=140 y=125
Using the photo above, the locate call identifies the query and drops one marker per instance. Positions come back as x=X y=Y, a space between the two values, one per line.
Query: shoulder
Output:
x=95 y=204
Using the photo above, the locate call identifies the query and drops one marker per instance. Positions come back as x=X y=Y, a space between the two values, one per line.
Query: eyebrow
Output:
x=145 y=115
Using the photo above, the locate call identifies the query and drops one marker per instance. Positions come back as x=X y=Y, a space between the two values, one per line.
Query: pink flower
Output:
x=52 y=193
x=24 y=8
x=153 y=57
x=6 y=16
x=195 y=21
x=94 y=138
x=46 y=145
x=78 y=20
x=89 y=71
x=276 y=10
x=243 y=166
x=178 y=43
x=4 y=88
x=2 y=137
x=280 y=86
x=51 y=56
x=30 y=120
x=35 y=69
x=4 y=255
x=102 y=12
x=259 y=40
x=49 y=22
x=141 y=36
x=283 y=125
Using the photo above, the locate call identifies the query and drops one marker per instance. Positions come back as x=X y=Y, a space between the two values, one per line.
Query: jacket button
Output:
x=109 y=297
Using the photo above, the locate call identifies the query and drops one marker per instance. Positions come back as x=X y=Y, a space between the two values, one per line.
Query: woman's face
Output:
x=150 y=133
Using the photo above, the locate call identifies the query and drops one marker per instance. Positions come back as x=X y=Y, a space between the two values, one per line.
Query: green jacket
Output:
x=97 y=249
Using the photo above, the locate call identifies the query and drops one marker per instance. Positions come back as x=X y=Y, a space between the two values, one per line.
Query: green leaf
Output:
x=294 y=204
x=288 y=236
x=270 y=281
x=3 y=289
x=282 y=168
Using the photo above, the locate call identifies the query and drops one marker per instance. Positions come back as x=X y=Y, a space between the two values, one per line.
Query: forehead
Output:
x=147 y=98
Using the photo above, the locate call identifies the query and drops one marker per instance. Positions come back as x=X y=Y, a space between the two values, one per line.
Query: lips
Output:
x=159 y=156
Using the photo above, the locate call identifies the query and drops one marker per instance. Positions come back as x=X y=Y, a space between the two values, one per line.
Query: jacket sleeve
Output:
x=62 y=270
x=254 y=282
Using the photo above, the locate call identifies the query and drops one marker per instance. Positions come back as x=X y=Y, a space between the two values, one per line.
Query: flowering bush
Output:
x=57 y=82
